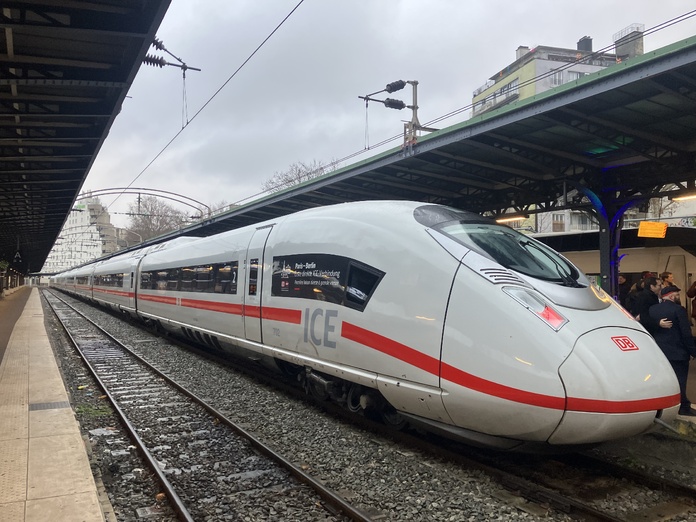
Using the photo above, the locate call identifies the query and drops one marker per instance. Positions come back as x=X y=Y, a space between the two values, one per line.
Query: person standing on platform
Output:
x=676 y=343
x=632 y=297
x=691 y=294
x=646 y=298
x=622 y=291
x=668 y=280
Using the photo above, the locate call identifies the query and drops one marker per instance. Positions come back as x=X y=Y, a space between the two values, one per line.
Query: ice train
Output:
x=416 y=311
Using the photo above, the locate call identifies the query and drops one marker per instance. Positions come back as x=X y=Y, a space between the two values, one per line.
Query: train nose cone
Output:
x=616 y=380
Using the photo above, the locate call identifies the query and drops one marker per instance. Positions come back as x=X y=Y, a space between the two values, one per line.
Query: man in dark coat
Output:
x=632 y=297
x=677 y=343
x=622 y=290
x=646 y=298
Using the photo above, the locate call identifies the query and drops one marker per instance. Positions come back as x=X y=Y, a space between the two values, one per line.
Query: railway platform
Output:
x=45 y=473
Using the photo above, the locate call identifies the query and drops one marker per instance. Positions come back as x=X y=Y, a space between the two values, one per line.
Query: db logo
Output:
x=624 y=343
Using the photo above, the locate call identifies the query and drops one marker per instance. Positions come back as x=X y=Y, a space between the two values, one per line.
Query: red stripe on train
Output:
x=597 y=406
x=213 y=306
x=391 y=348
x=455 y=375
x=114 y=292
x=273 y=314
x=157 y=298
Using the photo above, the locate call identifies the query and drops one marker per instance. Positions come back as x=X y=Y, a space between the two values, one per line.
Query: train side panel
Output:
x=113 y=283
x=356 y=298
x=83 y=281
x=363 y=296
x=175 y=287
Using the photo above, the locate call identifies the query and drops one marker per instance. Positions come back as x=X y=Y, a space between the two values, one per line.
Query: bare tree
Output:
x=220 y=205
x=295 y=174
x=662 y=208
x=151 y=217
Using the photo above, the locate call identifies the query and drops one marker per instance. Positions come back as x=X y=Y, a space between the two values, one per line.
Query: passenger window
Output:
x=360 y=285
x=173 y=279
x=226 y=278
x=202 y=282
x=187 y=275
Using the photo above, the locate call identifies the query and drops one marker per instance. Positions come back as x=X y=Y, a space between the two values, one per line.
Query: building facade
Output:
x=86 y=235
x=541 y=68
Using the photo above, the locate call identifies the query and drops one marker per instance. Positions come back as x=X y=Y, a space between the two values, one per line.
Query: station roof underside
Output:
x=626 y=133
x=65 y=69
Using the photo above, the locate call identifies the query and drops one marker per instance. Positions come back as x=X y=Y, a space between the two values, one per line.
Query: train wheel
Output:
x=353 y=398
x=317 y=391
x=393 y=418
x=316 y=386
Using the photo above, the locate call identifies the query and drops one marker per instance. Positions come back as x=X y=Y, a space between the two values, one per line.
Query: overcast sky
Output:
x=297 y=100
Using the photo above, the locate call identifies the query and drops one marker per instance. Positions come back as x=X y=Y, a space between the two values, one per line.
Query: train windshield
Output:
x=512 y=250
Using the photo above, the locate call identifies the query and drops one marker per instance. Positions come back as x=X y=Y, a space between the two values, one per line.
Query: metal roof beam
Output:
x=625 y=129
x=491 y=166
x=575 y=158
x=412 y=187
x=461 y=177
x=581 y=127
x=500 y=151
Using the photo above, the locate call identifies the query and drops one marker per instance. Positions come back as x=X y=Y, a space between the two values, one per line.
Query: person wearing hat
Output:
x=676 y=343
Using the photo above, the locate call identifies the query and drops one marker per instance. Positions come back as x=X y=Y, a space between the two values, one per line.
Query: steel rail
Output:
x=332 y=498
x=177 y=503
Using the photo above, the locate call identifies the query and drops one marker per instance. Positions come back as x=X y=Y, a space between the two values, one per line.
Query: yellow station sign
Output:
x=652 y=229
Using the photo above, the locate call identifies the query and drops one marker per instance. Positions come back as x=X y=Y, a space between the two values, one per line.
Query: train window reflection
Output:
x=220 y=278
x=360 y=285
x=225 y=278
x=253 y=275
x=513 y=250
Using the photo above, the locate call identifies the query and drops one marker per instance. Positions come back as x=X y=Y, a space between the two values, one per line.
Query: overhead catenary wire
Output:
x=212 y=97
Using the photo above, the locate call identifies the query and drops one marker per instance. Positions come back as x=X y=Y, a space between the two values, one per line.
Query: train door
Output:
x=253 y=283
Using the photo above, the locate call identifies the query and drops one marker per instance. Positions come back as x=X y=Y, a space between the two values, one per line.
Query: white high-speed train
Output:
x=417 y=311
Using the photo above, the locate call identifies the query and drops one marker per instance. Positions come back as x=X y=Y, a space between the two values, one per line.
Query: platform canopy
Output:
x=65 y=69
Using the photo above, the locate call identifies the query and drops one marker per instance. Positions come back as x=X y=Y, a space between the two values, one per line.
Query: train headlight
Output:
x=537 y=306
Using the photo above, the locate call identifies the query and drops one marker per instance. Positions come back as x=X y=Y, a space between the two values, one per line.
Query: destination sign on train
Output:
x=652 y=229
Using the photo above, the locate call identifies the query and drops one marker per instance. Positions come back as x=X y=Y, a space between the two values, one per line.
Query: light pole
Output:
x=410 y=127
x=134 y=233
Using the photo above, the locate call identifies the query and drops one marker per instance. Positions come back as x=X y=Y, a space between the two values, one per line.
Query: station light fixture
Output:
x=511 y=218
x=684 y=197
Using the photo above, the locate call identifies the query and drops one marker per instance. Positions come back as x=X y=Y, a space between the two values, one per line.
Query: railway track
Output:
x=593 y=488
x=182 y=438
x=586 y=488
